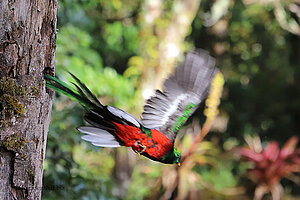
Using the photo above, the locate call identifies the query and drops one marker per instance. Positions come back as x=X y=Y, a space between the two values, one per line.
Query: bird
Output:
x=164 y=113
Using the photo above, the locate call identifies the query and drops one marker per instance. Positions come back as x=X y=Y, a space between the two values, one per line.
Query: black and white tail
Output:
x=102 y=130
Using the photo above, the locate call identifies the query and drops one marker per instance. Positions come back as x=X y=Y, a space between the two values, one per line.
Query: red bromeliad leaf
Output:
x=271 y=152
x=296 y=159
x=251 y=155
x=289 y=147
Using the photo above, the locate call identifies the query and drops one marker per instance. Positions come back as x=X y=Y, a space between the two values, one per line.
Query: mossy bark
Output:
x=27 y=48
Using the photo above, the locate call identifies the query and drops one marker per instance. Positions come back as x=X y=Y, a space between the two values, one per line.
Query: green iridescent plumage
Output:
x=82 y=95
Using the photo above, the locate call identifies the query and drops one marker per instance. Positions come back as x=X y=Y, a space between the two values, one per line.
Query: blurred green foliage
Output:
x=102 y=42
x=261 y=61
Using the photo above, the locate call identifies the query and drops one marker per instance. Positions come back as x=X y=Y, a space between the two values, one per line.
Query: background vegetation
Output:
x=122 y=50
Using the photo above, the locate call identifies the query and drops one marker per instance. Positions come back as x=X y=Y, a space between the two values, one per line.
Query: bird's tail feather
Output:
x=99 y=137
x=82 y=95
x=102 y=131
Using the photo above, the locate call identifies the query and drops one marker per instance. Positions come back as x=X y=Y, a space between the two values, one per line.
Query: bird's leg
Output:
x=138 y=153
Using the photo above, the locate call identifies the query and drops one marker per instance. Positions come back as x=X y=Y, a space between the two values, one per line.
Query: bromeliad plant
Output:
x=271 y=164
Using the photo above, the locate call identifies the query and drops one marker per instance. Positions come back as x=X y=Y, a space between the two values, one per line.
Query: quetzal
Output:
x=164 y=113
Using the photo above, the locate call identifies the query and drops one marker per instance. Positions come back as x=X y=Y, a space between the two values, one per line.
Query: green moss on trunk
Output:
x=10 y=95
x=14 y=143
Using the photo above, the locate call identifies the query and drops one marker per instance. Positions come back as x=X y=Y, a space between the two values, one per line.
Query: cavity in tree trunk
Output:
x=27 y=47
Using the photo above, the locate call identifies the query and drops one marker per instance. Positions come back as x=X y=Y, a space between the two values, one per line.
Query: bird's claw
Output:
x=144 y=148
x=141 y=146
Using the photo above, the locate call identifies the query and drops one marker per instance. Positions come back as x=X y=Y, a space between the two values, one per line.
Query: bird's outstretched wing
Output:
x=182 y=94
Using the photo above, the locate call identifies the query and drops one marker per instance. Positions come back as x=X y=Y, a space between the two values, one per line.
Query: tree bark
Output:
x=27 y=49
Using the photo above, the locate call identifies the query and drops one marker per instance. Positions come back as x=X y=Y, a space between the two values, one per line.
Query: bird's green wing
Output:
x=182 y=94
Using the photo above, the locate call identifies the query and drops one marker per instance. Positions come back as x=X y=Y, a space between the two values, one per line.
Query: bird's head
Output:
x=173 y=157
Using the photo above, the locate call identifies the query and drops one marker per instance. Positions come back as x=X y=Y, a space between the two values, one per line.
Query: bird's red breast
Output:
x=156 y=144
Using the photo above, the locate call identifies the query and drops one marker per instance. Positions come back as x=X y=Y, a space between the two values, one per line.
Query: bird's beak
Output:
x=179 y=164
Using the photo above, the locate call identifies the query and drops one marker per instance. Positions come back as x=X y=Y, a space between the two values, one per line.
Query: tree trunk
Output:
x=27 y=47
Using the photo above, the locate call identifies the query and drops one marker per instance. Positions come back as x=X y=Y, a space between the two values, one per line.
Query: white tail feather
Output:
x=106 y=145
x=96 y=131
x=98 y=137
x=92 y=138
